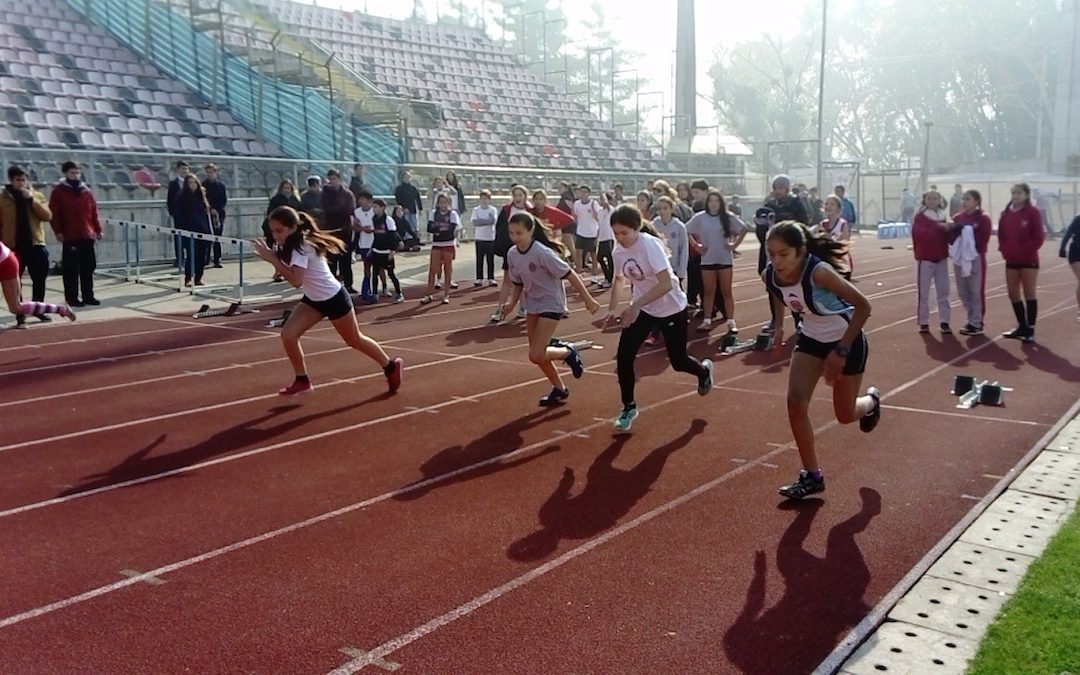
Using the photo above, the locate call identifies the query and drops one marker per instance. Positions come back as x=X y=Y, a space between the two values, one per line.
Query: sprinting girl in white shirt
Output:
x=300 y=259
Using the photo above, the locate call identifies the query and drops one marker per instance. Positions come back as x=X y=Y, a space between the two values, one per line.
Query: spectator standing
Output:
x=22 y=214
x=848 y=210
x=75 y=224
x=408 y=197
x=193 y=214
x=907 y=206
x=1020 y=236
x=338 y=206
x=356 y=183
x=968 y=253
x=311 y=200
x=285 y=196
x=956 y=201
x=217 y=195
x=175 y=186
x=459 y=195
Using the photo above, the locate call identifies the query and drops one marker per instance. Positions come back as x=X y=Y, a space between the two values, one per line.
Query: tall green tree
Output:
x=976 y=69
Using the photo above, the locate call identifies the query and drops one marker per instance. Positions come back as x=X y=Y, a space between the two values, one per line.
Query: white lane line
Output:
x=948 y=413
x=435 y=480
x=355 y=653
x=151 y=580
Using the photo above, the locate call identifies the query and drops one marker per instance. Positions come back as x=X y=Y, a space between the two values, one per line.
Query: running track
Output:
x=163 y=510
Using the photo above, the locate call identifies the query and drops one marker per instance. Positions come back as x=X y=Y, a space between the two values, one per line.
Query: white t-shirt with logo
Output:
x=640 y=263
x=587 y=215
x=606 y=233
x=319 y=282
x=364 y=219
x=483 y=222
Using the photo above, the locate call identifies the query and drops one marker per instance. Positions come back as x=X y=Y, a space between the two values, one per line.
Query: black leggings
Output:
x=607 y=262
x=485 y=253
x=674 y=330
x=380 y=262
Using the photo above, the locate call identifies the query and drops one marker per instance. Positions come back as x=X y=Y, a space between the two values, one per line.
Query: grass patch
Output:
x=1038 y=630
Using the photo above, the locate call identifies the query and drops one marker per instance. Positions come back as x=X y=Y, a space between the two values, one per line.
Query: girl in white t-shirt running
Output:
x=300 y=258
x=656 y=301
x=538 y=263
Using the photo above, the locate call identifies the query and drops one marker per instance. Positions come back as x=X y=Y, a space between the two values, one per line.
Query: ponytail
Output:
x=799 y=236
x=541 y=233
x=307 y=231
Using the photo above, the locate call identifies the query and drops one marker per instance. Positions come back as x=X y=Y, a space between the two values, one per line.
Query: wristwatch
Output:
x=842 y=350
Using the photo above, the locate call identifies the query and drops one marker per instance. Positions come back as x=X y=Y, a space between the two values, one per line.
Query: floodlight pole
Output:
x=821 y=98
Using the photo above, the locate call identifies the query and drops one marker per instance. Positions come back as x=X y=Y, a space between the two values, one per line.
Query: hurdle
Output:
x=135 y=265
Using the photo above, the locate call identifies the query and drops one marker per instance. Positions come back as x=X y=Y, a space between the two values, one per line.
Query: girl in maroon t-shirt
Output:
x=1020 y=235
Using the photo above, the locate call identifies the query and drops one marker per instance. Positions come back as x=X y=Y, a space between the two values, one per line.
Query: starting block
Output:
x=972 y=392
x=580 y=345
x=232 y=310
x=762 y=343
x=278 y=322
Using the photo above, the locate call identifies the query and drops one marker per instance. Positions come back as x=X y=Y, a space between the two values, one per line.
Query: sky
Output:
x=652 y=33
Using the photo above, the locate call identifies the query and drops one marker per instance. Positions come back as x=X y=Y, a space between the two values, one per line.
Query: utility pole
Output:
x=924 y=177
x=821 y=99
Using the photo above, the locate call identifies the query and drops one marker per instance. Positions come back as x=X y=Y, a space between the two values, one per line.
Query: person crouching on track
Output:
x=9 y=279
x=803 y=274
x=538 y=265
x=300 y=259
x=656 y=300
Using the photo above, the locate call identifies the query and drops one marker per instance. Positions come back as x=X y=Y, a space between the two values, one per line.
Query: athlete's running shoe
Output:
x=573 y=359
x=704 y=383
x=393 y=378
x=556 y=397
x=871 y=419
x=626 y=418
x=803 y=486
x=297 y=387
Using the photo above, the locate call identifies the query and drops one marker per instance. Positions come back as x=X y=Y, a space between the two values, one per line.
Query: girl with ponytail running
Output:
x=300 y=259
x=804 y=275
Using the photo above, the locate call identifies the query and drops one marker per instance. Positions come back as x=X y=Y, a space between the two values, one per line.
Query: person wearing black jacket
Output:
x=384 y=243
x=192 y=213
x=780 y=206
x=338 y=205
x=356 y=183
x=285 y=196
x=217 y=196
x=175 y=187
x=406 y=195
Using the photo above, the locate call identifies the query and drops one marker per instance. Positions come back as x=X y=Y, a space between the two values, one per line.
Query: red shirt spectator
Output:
x=1021 y=234
x=983 y=228
x=930 y=235
x=74 y=211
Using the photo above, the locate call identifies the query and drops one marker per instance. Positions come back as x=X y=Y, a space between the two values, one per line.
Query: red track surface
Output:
x=456 y=527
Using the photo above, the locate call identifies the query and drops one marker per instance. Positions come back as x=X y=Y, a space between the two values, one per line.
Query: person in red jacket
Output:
x=968 y=251
x=518 y=204
x=75 y=223
x=930 y=235
x=1020 y=235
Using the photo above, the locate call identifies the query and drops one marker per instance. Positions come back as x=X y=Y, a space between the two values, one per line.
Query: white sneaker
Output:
x=478 y=283
x=497 y=315
x=706 y=325
x=399 y=299
x=492 y=283
x=438 y=284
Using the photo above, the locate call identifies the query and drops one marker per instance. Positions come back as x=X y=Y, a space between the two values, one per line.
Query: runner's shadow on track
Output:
x=486 y=451
x=823 y=597
x=482 y=335
x=1048 y=361
x=609 y=495
x=247 y=434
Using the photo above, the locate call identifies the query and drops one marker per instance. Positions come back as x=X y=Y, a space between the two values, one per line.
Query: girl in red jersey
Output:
x=1020 y=235
x=930 y=236
x=9 y=279
x=968 y=253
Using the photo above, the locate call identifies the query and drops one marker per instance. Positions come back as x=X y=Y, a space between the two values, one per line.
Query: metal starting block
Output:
x=762 y=343
x=279 y=321
x=972 y=392
x=232 y=310
x=579 y=345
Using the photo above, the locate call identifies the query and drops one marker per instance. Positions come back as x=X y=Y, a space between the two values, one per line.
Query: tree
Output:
x=980 y=83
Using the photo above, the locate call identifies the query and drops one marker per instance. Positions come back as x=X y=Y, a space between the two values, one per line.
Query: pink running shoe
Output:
x=66 y=312
x=297 y=387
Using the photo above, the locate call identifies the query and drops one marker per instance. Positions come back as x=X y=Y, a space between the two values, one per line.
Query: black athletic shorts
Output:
x=334 y=308
x=585 y=244
x=382 y=260
x=554 y=316
x=1021 y=266
x=717 y=266
x=856 y=360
